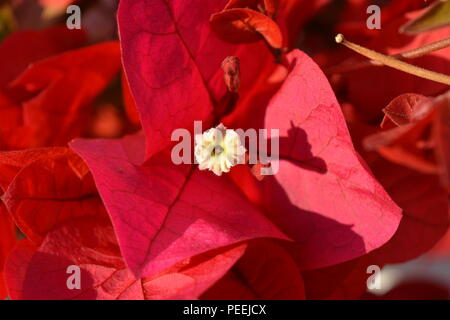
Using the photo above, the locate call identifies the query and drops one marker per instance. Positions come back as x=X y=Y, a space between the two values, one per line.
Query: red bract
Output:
x=12 y=162
x=317 y=158
x=163 y=213
x=22 y=48
x=269 y=7
x=65 y=190
x=34 y=103
x=39 y=272
x=17 y=52
x=400 y=110
x=130 y=105
x=190 y=278
x=407 y=143
x=7 y=240
x=184 y=83
x=421 y=139
x=65 y=224
x=425 y=220
x=242 y=25
x=266 y=271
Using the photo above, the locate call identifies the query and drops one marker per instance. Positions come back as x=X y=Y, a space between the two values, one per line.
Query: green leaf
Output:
x=437 y=16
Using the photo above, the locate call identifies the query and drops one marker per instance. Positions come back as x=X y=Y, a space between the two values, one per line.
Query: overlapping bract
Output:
x=140 y=227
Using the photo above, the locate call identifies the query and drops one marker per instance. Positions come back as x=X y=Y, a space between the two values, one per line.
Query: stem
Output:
x=426 y=49
x=411 y=54
x=392 y=62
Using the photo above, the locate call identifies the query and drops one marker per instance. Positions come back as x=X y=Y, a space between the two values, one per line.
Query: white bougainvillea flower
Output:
x=218 y=149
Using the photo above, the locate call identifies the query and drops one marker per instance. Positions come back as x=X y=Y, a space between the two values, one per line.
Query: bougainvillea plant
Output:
x=96 y=203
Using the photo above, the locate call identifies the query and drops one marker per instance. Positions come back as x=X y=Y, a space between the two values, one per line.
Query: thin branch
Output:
x=410 y=54
x=393 y=62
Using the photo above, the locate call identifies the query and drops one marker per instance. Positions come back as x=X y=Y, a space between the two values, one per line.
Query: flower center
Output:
x=218 y=149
